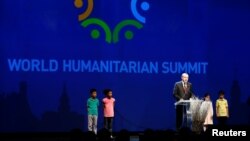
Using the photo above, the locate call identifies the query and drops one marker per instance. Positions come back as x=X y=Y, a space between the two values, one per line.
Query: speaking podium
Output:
x=191 y=114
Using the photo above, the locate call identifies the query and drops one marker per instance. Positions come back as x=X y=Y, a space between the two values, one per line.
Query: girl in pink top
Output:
x=108 y=105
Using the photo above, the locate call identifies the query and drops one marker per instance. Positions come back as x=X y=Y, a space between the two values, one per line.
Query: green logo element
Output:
x=110 y=36
x=94 y=33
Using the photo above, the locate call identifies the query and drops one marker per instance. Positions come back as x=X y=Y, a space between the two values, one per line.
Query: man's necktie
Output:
x=185 y=88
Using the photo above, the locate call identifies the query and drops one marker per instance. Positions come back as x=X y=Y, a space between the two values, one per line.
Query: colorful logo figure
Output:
x=111 y=36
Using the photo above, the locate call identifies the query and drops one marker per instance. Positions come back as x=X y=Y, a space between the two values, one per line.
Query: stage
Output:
x=125 y=135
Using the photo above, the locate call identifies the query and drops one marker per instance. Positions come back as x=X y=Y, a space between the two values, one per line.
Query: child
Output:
x=108 y=105
x=92 y=105
x=210 y=112
x=222 y=112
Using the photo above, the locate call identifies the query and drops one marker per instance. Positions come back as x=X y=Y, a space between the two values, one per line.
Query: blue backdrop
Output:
x=52 y=52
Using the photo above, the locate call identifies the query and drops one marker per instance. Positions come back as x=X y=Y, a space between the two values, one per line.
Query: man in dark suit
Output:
x=182 y=91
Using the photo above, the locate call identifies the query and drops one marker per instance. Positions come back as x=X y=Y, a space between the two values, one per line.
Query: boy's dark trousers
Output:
x=222 y=121
x=108 y=123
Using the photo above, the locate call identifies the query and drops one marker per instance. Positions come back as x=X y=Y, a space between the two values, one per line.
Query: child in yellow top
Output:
x=222 y=109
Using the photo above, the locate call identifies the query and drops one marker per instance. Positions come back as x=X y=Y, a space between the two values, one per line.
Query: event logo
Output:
x=111 y=36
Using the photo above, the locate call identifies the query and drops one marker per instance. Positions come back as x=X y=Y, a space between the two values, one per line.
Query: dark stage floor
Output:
x=124 y=135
